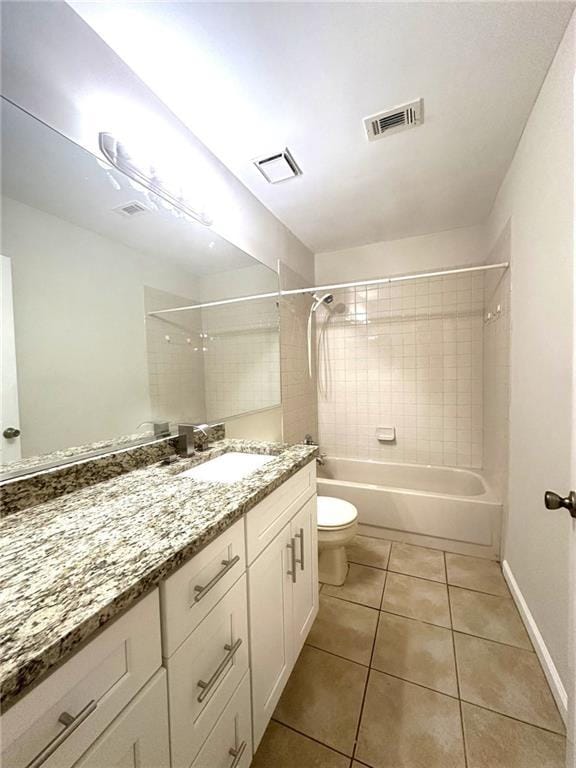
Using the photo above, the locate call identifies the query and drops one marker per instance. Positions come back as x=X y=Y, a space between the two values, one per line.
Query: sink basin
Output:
x=228 y=468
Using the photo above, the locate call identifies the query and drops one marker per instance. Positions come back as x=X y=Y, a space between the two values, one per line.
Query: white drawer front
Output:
x=191 y=593
x=138 y=738
x=267 y=519
x=230 y=742
x=195 y=708
x=92 y=687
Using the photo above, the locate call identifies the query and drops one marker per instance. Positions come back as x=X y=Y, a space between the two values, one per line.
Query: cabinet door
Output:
x=271 y=636
x=230 y=741
x=305 y=589
x=138 y=738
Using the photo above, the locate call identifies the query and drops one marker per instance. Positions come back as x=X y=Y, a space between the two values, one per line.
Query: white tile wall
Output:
x=241 y=358
x=407 y=355
x=175 y=360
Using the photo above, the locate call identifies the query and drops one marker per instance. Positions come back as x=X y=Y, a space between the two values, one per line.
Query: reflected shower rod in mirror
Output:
x=336 y=286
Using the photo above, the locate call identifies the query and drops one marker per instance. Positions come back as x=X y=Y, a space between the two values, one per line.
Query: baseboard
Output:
x=554 y=681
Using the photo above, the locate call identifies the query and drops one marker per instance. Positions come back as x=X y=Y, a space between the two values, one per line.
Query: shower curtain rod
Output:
x=335 y=286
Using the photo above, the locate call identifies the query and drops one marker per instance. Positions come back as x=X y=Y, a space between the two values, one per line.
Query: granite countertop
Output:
x=72 y=564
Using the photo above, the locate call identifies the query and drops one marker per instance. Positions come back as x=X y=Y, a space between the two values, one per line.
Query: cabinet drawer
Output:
x=230 y=742
x=191 y=593
x=205 y=671
x=267 y=519
x=138 y=738
x=92 y=687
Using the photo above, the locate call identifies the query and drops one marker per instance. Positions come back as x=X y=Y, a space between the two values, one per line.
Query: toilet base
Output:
x=332 y=566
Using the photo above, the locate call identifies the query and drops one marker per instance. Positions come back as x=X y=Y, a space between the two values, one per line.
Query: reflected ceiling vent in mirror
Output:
x=393 y=120
x=132 y=208
x=278 y=167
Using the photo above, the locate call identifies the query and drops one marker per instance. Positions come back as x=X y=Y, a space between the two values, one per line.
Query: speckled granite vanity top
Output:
x=72 y=564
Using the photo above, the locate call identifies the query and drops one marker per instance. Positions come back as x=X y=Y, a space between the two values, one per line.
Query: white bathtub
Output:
x=441 y=507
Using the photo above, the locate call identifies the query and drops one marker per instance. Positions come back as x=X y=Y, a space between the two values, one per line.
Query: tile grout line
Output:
x=307 y=736
x=361 y=713
x=452 y=635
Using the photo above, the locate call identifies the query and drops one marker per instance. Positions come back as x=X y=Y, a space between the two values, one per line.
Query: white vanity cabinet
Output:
x=190 y=675
x=282 y=591
x=62 y=717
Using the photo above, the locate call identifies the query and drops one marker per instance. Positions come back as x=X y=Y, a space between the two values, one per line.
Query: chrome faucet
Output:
x=187 y=443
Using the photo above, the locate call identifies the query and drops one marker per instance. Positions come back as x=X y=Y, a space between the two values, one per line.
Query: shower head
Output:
x=327 y=298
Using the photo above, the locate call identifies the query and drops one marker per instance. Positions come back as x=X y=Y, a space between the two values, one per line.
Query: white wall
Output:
x=537 y=198
x=452 y=248
x=80 y=336
x=56 y=67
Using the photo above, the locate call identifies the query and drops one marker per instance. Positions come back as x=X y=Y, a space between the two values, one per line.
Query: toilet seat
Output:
x=335 y=514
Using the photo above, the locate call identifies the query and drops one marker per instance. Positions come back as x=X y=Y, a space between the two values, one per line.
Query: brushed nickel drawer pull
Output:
x=237 y=754
x=70 y=723
x=207 y=686
x=301 y=537
x=203 y=590
x=292 y=547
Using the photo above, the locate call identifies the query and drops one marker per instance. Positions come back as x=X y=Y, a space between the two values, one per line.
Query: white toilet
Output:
x=337 y=526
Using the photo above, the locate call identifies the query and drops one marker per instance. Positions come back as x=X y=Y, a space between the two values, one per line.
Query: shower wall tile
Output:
x=407 y=355
x=241 y=358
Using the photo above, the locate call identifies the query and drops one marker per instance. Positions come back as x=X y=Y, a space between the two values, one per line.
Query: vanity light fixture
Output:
x=117 y=154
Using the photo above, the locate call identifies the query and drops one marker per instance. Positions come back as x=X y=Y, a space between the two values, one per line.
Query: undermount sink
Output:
x=228 y=468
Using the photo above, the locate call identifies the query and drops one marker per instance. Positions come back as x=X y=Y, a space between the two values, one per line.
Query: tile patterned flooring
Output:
x=419 y=661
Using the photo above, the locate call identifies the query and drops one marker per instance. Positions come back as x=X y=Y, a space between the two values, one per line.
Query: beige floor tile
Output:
x=344 y=628
x=363 y=585
x=476 y=573
x=417 y=652
x=367 y=550
x=417 y=599
x=417 y=561
x=283 y=748
x=495 y=741
x=495 y=618
x=505 y=679
x=406 y=726
x=323 y=697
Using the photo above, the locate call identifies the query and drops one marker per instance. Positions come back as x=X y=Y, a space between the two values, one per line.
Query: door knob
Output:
x=11 y=432
x=555 y=501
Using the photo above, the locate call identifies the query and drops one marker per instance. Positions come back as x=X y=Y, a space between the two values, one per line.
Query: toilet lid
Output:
x=335 y=513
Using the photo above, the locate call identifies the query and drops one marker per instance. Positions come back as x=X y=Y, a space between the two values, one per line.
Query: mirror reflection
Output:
x=90 y=262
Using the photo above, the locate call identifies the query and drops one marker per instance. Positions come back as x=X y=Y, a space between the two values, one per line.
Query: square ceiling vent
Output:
x=278 y=167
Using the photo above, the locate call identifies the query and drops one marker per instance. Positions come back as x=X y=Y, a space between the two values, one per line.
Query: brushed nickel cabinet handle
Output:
x=292 y=547
x=301 y=537
x=237 y=754
x=70 y=723
x=202 y=591
x=207 y=686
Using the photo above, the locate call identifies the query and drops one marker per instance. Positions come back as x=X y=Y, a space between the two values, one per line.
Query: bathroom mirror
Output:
x=90 y=261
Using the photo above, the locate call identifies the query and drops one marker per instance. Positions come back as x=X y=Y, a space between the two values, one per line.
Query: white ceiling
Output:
x=249 y=78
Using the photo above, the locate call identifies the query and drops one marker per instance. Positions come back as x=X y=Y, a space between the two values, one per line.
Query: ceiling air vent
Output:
x=394 y=120
x=278 y=167
x=131 y=209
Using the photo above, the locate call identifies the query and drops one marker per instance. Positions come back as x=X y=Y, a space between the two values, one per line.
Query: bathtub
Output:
x=440 y=507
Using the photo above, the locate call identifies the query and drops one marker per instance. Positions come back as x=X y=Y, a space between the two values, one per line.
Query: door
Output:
x=271 y=638
x=10 y=421
x=305 y=588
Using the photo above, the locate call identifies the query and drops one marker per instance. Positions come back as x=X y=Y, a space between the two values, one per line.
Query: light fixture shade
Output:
x=117 y=154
